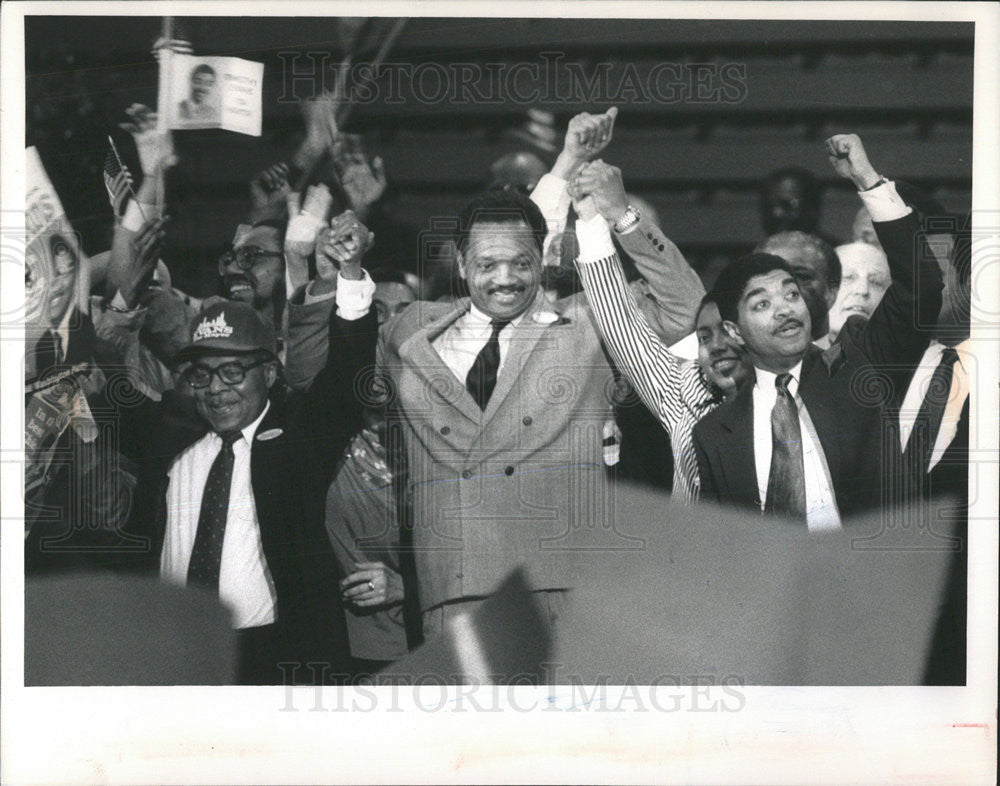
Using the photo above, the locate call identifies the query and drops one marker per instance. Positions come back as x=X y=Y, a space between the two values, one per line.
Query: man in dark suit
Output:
x=933 y=423
x=231 y=500
x=806 y=441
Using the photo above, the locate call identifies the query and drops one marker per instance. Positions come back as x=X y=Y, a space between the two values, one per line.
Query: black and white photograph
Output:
x=515 y=392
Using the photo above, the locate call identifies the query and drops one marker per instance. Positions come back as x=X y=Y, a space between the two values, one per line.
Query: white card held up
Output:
x=215 y=92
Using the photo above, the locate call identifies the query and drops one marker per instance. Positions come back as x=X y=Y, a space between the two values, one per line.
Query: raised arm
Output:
x=586 y=136
x=310 y=310
x=899 y=329
x=661 y=379
x=675 y=288
x=331 y=409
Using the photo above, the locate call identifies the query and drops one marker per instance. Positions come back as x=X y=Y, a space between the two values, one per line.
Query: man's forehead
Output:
x=775 y=279
x=485 y=231
x=708 y=317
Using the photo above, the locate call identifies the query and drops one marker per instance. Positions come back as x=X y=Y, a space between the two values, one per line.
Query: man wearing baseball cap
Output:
x=231 y=501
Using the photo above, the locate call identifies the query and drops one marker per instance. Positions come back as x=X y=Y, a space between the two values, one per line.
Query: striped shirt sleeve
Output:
x=654 y=372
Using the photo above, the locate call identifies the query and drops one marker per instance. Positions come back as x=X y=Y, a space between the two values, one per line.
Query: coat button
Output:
x=459 y=575
x=445 y=430
x=527 y=420
x=660 y=247
x=466 y=473
x=508 y=471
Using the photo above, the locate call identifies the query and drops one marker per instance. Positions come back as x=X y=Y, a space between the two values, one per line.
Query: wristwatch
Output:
x=880 y=182
x=626 y=220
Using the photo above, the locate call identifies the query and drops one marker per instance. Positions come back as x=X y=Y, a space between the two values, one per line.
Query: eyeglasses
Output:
x=245 y=257
x=230 y=373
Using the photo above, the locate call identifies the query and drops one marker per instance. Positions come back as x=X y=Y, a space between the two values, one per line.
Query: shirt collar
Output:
x=765 y=379
x=963 y=348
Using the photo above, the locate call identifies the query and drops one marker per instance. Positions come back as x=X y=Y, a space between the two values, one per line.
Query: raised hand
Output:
x=268 y=193
x=603 y=183
x=306 y=217
x=133 y=259
x=342 y=246
x=587 y=134
x=849 y=160
x=364 y=185
x=155 y=150
x=320 y=116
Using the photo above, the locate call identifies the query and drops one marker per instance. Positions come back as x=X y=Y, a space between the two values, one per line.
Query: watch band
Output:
x=627 y=220
x=882 y=180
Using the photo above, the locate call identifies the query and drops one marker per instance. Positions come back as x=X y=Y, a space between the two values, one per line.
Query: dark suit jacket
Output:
x=844 y=389
x=290 y=472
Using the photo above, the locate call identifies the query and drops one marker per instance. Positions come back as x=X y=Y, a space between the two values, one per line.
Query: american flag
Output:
x=113 y=166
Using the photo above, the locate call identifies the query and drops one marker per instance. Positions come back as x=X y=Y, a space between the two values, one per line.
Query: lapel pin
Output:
x=271 y=433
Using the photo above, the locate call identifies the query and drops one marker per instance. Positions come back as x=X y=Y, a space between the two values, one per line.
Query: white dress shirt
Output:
x=245 y=582
x=917 y=390
x=821 y=504
x=465 y=338
x=552 y=198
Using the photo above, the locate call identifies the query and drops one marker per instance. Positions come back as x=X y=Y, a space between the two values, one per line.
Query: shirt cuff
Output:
x=883 y=203
x=548 y=191
x=354 y=298
x=594 y=238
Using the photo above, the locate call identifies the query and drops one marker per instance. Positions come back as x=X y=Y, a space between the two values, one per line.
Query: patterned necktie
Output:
x=482 y=377
x=786 y=484
x=206 y=555
x=920 y=446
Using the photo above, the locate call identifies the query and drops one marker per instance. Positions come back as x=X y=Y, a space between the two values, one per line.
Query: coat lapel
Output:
x=815 y=388
x=526 y=335
x=735 y=452
x=421 y=358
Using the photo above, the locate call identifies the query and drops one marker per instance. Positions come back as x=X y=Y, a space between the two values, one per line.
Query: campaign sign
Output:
x=215 y=92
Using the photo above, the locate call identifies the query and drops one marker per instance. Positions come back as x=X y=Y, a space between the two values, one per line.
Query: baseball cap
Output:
x=229 y=327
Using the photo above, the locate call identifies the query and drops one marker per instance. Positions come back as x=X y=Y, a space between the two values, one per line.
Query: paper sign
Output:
x=53 y=281
x=215 y=92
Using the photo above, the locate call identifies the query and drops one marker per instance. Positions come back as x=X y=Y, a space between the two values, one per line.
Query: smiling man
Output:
x=502 y=398
x=231 y=501
x=806 y=441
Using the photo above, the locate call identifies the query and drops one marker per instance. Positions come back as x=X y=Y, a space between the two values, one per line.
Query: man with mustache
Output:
x=502 y=400
x=816 y=268
x=805 y=441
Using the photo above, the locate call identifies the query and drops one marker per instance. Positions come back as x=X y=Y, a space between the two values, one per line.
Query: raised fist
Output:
x=849 y=160
x=604 y=183
x=342 y=245
x=587 y=134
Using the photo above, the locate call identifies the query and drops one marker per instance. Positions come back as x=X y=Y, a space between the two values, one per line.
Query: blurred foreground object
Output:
x=92 y=629
x=723 y=594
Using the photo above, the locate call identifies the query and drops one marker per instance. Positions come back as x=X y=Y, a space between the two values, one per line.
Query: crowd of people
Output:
x=351 y=466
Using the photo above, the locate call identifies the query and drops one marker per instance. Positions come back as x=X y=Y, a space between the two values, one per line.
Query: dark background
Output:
x=905 y=87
